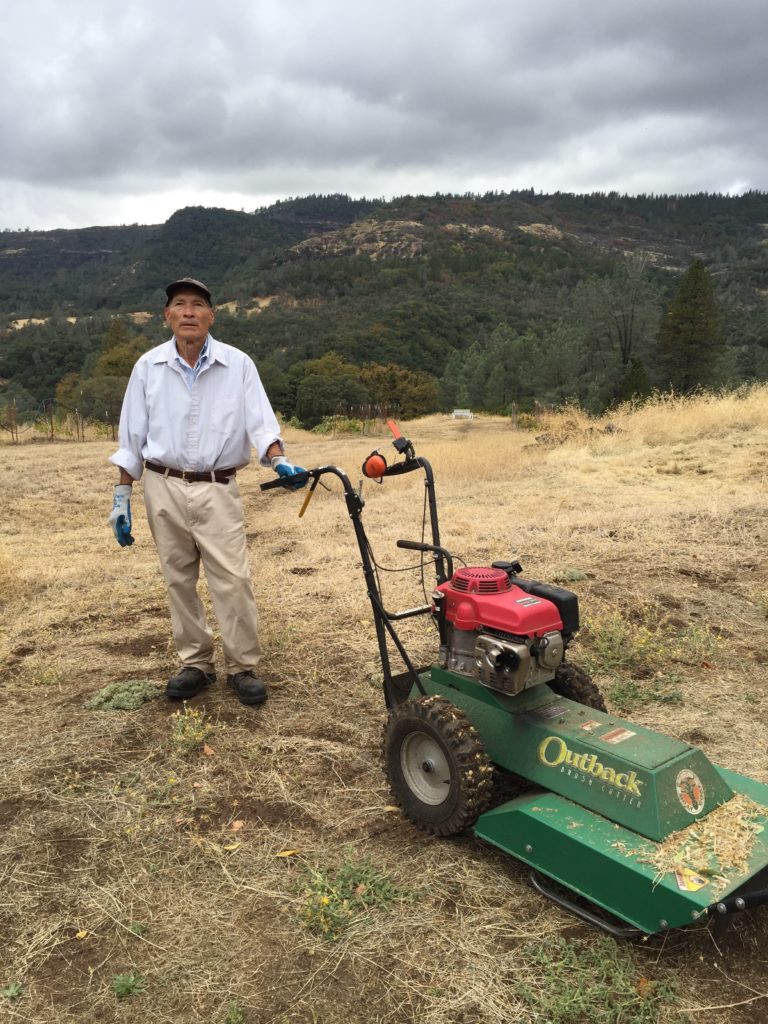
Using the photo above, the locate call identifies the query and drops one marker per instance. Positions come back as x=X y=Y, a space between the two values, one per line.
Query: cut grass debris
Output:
x=125 y=696
x=717 y=846
x=568 y=982
x=331 y=900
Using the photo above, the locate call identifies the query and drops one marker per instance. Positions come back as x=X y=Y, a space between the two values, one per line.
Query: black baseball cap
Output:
x=188 y=282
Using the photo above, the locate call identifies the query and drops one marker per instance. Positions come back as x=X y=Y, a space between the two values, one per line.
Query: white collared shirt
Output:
x=209 y=423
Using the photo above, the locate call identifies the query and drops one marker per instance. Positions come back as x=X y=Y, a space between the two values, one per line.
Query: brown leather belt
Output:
x=218 y=476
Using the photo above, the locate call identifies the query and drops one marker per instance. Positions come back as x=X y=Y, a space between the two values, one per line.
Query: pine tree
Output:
x=691 y=343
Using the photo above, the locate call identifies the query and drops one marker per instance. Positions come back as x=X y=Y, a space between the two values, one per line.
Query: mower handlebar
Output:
x=414 y=545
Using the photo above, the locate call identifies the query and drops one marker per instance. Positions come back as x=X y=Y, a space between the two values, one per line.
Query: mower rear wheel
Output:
x=438 y=771
x=574 y=683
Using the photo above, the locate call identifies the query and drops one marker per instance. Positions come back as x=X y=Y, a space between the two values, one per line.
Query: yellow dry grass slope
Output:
x=158 y=865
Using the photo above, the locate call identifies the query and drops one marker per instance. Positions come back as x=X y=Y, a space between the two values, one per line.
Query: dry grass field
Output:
x=212 y=863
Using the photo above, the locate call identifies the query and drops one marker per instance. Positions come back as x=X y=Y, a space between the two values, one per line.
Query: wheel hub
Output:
x=425 y=768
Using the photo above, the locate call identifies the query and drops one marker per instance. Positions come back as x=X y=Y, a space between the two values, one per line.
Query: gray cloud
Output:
x=110 y=112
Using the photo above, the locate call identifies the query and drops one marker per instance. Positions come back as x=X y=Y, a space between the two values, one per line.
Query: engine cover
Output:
x=486 y=598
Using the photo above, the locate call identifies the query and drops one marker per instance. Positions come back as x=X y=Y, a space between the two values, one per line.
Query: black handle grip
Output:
x=289 y=482
x=415 y=545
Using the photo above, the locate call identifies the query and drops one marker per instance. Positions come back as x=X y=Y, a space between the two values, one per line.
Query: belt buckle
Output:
x=184 y=474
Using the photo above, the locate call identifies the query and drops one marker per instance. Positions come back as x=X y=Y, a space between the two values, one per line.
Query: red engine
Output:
x=477 y=598
x=504 y=631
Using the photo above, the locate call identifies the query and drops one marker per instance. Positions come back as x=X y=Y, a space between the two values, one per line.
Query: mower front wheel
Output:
x=438 y=771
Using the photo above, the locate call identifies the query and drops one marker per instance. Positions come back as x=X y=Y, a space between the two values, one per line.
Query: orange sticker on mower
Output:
x=690 y=791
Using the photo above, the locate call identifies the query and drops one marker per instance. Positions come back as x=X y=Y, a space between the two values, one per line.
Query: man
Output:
x=192 y=410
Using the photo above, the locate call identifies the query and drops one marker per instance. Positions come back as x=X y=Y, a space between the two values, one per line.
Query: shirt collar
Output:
x=216 y=351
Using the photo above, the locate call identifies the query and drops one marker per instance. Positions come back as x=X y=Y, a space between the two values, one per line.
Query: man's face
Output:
x=189 y=316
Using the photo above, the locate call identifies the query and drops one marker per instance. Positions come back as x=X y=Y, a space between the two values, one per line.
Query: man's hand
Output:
x=286 y=469
x=120 y=517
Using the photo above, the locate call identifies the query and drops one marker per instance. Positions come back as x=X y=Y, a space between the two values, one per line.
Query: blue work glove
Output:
x=120 y=516
x=286 y=469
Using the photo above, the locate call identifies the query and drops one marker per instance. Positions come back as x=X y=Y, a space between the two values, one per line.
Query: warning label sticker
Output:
x=689 y=881
x=550 y=712
x=617 y=736
x=590 y=726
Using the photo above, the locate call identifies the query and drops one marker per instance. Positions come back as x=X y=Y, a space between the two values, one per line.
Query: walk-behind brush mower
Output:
x=615 y=817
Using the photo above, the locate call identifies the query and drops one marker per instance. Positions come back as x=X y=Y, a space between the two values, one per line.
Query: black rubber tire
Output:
x=430 y=744
x=574 y=683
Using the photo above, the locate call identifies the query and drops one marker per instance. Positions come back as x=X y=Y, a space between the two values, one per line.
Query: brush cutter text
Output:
x=554 y=751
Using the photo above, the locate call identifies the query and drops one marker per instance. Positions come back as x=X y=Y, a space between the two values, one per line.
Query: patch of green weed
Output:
x=234 y=1014
x=568 y=576
x=627 y=694
x=12 y=991
x=189 y=730
x=125 y=985
x=126 y=696
x=643 y=642
x=696 y=643
x=568 y=982
x=619 y=644
x=330 y=900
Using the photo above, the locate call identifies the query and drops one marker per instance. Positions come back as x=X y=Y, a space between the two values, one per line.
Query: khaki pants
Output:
x=204 y=520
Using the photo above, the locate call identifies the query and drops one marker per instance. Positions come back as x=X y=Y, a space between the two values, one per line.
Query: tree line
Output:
x=617 y=337
x=489 y=302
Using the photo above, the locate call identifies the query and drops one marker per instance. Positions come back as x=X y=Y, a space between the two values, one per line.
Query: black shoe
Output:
x=248 y=688
x=188 y=683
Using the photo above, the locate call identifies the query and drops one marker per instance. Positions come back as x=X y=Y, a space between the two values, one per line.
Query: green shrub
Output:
x=126 y=696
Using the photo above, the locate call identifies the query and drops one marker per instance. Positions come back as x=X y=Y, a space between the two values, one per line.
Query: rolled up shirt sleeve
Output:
x=261 y=424
x=134 y=425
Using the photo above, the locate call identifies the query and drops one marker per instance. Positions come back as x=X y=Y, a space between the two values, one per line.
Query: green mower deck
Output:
x=612 y=790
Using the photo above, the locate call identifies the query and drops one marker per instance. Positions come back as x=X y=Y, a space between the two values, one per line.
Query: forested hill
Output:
x=425 y=301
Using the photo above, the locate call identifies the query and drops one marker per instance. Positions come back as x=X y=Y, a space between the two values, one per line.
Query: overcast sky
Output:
x=121 y=112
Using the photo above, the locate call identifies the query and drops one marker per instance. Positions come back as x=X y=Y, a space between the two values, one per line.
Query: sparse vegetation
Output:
x=626 y=695
x=645 y=642
x=617 y=643
x=189 y=730
x=125 y=985
x=566 y=982
x=234 y=1014
x=331 y=899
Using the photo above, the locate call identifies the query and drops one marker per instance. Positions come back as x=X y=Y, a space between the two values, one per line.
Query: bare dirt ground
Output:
x=128 y=852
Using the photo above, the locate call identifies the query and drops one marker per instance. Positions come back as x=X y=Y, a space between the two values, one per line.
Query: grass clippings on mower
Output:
x=715 y=847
